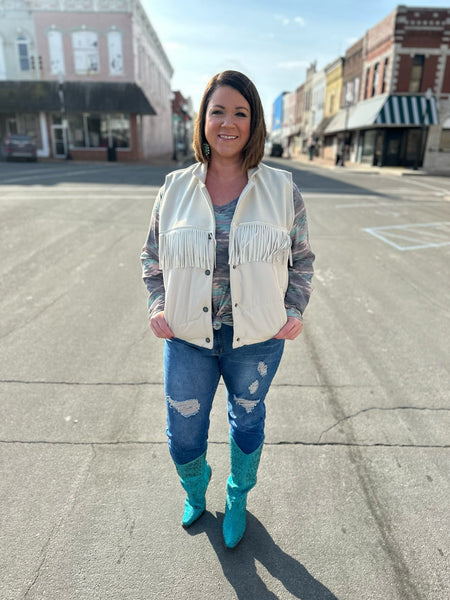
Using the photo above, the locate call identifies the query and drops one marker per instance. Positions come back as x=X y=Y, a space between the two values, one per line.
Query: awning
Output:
x=408 y=110
x=385 y=110
x=79 y=96
x=322 y=126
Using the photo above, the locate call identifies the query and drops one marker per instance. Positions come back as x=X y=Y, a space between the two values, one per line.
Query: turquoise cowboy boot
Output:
x=194 y=477
x=241 y=480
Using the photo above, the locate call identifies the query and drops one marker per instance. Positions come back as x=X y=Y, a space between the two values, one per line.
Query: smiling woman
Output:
x=228 y=266
x=227 y=126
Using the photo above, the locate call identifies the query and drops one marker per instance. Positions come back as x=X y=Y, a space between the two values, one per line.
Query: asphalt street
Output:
x=352 y=501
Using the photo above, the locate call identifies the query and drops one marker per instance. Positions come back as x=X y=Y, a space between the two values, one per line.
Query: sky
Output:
x=271 y=41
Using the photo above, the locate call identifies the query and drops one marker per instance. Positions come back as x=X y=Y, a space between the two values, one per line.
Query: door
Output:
x=392 y=148
x=59 y=141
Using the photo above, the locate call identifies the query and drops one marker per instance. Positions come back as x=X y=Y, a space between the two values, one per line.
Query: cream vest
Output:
x=259 y=250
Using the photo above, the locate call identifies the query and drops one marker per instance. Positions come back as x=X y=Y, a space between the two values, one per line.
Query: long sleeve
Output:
x=301 y=270
x=151 y=273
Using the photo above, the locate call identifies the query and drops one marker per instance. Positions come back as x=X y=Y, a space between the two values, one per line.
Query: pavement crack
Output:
x=380 y=408
x=151 y=383
x=95 y=444
x=68 y=509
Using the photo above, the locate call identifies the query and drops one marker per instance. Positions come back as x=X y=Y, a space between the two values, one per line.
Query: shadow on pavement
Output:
x=322 y=181
x=239 y=564
x=117 y=174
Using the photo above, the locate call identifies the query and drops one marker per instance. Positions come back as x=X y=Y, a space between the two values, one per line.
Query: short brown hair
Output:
x=254 y=149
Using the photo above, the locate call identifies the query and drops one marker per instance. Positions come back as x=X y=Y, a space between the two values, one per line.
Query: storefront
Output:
x=387 y=130
x=78 y=120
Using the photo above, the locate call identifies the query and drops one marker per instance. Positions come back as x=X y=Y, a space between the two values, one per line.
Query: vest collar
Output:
x=200 y=170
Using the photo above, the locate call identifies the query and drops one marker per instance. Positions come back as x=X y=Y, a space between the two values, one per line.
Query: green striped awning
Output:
x=408 y=110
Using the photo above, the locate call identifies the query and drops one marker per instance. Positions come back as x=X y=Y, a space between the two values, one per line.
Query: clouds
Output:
x=285 y=21
x=293 y=65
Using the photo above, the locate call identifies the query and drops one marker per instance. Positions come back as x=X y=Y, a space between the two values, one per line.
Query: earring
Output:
x=206 y=149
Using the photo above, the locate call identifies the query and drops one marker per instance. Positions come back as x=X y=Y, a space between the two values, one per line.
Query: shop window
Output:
x=56 y=52
x=444 y=144
x=368 y=146
x=85 y=52
x=95 y=138
x=98 y=131
x=30 y=126
x=120 y=130
x=115 y=53
x=77 y=134
x=415 y=83
x=23 y=50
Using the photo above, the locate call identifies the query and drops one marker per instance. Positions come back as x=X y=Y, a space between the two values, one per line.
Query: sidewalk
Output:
x=352 y=167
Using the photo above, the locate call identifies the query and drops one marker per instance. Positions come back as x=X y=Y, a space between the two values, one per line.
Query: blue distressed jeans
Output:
x=191 y=377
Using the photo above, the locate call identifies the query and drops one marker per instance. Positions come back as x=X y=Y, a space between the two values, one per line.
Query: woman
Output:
x=228 y=267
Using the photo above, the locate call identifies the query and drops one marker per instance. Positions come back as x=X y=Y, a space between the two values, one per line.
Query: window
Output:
x=444 y=144
x=23 y=50
x=85 y=52
x=376 y=76
x=331 y=104
x=119 y=127
x=115 y=53
x=385 y=68
x=56 y=52
x=356 y=90
x=98 y=130
x=94 y=131
x=366 y=90
x=415 y=83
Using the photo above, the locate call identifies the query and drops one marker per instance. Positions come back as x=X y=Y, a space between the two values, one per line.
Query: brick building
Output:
x=402 y=117
x=84 y=75
x=182 y=125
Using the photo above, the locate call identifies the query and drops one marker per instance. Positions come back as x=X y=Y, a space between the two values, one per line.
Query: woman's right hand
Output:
x=159 y=326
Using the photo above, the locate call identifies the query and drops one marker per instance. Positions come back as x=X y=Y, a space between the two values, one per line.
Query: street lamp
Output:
x=428 y=94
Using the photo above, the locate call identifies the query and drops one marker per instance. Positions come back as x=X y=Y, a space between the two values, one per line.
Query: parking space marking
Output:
x=50 y=174
x=413 y=236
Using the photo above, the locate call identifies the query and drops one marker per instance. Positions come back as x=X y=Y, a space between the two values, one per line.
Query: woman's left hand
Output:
x=290 y=330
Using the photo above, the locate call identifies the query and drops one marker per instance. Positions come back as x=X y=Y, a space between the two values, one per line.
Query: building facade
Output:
x=394 y=103
x=401 y=118
x=84 y=76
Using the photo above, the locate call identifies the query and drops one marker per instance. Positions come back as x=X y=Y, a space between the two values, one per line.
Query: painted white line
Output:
x=421 y=183
x=392 y=204
x=49 y=174
x=413 y=233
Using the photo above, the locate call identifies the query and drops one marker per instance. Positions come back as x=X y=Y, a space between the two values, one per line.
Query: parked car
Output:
x=18 y=146
x=273 y=149
x=276 y=150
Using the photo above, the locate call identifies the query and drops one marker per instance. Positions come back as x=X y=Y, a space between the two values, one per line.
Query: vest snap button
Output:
x=207 y=340
x=207 y=272
x=205 y=309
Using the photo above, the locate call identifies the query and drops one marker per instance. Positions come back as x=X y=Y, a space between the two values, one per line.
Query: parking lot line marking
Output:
x=50 y=174
x=423 y=235
x=426 y=185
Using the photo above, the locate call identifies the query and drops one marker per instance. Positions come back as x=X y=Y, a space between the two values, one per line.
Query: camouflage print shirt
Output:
x=300 y=272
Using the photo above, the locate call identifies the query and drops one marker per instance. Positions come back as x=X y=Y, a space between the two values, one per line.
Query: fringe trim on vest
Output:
x=182 y=248
x=256 y=242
